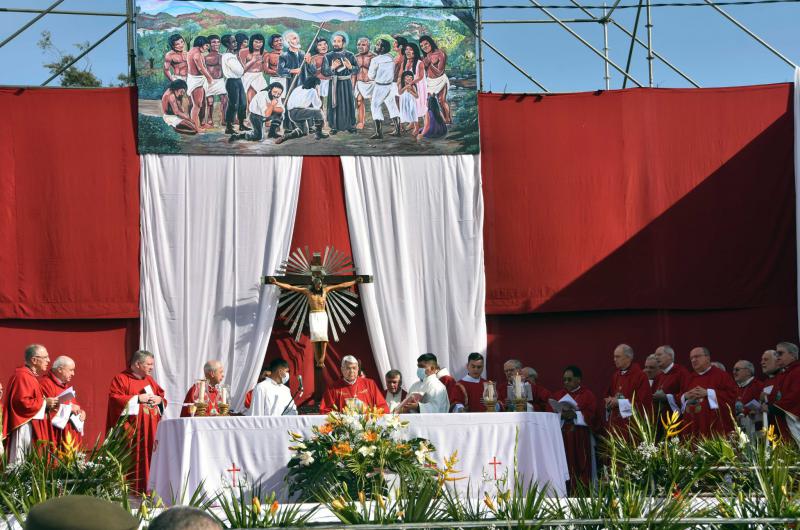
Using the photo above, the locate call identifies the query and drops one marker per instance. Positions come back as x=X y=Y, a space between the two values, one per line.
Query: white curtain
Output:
x=211 y=227
x=416 y=225
x=797 y=170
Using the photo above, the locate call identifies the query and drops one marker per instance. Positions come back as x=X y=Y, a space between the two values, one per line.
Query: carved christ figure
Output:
x=317 y=316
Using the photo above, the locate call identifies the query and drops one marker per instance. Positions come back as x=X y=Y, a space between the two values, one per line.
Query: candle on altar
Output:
x=225 y=395
x=488 y=391
x=201 y=390
x=518 y=386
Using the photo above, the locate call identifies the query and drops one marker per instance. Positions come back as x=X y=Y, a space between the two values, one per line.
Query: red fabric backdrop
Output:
x=69 y=204
x=645 y=216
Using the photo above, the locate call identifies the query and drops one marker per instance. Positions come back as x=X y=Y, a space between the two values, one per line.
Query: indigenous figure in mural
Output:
x=363 y=85
x=176 y=61
x=253 y=60
x=435 y=61
x=341 y=66
x=216 y=86
x=321 y=48
x=381 y=72
x=271 y=60
x=199 y=79
x=172 y=109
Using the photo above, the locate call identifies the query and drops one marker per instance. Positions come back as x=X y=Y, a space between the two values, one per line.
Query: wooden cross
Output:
x=495 y=463
x=233 y=471
x=302 y=280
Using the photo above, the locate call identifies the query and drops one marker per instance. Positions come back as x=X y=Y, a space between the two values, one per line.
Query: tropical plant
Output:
x=358 y=447
x=246 y=507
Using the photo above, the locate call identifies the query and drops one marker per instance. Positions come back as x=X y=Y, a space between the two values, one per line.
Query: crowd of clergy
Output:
x=40 y=405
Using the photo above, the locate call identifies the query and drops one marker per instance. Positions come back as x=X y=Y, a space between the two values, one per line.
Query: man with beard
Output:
x=363 y=85
x=199 y=79
x=272 y=58
x=217 y=86
x=265 y=106
x=381 y=71
x=233 y=70
x=176 y=64
x=341 y=66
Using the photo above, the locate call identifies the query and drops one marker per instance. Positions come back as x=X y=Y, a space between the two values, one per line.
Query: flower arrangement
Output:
x=358 y=447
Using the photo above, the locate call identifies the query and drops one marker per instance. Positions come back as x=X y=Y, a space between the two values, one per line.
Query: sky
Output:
x=697 y=40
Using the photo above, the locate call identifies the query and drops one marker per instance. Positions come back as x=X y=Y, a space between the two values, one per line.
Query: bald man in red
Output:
x=629 y=389
x=351 y=387
x=710 y=397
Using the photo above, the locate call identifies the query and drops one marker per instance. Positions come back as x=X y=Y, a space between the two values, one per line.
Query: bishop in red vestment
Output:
x=215 y=374
x=786 y=394
x=709 y=400
x=135 y=396
x=352 y=387
x=54 y=382
x=629 y=386
x=537 y=394
x=748 y=391
x=668 y=385
x=473 y=383
x=577 y=425
x=25 y=423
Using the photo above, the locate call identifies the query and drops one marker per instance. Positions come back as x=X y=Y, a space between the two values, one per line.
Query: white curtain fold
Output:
x=211 y=227
x=416 y=225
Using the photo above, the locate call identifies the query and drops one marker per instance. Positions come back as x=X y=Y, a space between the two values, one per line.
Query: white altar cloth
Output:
x=256 y=449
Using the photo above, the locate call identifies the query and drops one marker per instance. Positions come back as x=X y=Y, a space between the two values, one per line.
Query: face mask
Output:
x=285 y=378
x=421 y=374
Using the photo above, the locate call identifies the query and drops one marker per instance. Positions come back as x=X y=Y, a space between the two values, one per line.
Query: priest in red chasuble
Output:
x=473 y=383
x=25 y=423
x=135 y=396
x=669 y=384
x=785 y=405
x=629 y=389
x=361 y=389
x=710 y=397
x=206 y=390
x=536 y=395
x=579 y=419
x=67 y=416
x=748 y=396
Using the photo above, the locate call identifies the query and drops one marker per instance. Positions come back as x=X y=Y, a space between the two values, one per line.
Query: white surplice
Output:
x=434 y=395
x=271 y=399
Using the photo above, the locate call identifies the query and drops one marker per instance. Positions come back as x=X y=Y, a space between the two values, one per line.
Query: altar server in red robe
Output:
x=362 y=389
x=214 y=375
x=68 y=416
x=136 y=396
x=629 y=389
x=709 y=398
x=25 y=423
x=785 y=406
x=669 y=384
x=578 y=420
x=473 y=383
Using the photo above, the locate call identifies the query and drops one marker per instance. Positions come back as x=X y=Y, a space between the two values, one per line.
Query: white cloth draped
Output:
x=211 y=226
x=416 y=225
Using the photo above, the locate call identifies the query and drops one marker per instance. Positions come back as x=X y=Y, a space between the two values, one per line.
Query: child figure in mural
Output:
x=435 y=126
x=408 y=102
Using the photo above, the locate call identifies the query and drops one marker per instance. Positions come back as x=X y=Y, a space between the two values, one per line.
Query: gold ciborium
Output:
x=202 y=408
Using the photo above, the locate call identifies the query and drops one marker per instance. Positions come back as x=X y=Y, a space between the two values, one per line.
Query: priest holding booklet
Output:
x=428 y=394
x=68 y=416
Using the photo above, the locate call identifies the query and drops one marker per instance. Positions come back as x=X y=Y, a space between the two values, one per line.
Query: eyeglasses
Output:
x=739 y=369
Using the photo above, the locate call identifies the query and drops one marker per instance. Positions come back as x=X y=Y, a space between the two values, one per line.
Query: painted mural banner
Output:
x=248 y=78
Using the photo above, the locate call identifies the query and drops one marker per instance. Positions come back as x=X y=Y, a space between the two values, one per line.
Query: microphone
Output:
x=300 y=385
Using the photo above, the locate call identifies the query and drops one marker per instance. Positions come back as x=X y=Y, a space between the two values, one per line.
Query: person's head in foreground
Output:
x=81 y=512
x=184 y=518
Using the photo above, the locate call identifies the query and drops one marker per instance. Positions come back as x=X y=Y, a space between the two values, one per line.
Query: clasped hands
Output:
x=696 y=394
x=150 y=399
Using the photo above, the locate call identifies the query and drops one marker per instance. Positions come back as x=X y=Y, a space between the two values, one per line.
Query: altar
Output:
x=224 y=452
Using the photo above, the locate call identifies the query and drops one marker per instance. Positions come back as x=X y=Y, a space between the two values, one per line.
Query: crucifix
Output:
x=316 y=288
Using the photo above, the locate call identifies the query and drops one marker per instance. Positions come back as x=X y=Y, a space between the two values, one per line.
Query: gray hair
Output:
x=532 y=373
x=747 y=366
x=627 y=350
x=391 y=374
x=32 y=350
x=771 y=352
x=140 y=355
x=183 y=518
x=210 y=366
x=515 y=363
x=651 y=357
x=363 y=38
x=666 y=348
x=349 y=359
x=719 y=365
x=62 y=360
x=789 y=347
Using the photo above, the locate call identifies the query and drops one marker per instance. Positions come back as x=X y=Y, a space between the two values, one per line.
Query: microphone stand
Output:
x=298 y=393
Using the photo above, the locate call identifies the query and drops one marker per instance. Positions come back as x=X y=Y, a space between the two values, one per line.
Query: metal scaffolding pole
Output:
x=649 y=27
x=60 y=12
x=606 y=75
x=30 y=23
x=756 y=37
x=640 y=42
x=569 y=20
x=585 y=43
x=633 y=43
x=479 y=33
x=130 y=19
x=85 y=52
x=512 y=63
